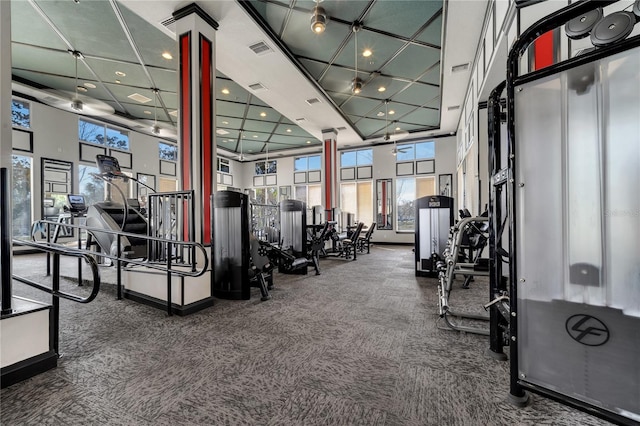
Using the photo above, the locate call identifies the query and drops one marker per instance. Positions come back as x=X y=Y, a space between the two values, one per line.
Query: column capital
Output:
x=194 y=8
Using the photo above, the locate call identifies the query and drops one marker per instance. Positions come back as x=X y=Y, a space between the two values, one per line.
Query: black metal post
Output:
x=6 y=237
x=496 y=321
x=79 y=231
x=169 y=311
x=55 y=287
x=119 y=268
x=48 y=253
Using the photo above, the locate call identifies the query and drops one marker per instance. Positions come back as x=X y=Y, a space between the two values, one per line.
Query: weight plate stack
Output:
x=612 y=28
x=581 y=26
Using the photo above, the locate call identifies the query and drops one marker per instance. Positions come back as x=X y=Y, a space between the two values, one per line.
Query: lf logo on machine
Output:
x=587 y=330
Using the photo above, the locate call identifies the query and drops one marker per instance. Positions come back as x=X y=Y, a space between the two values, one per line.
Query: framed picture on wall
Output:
x=445 y=183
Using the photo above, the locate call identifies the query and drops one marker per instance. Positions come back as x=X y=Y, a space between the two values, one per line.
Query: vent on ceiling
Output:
x=260 y=48
x=461 y=67
x=170 y=20
x=340 y=129
x=453 y=108
x=256 y=86
x=313 y=101
x=301 y=120
x=139 y=98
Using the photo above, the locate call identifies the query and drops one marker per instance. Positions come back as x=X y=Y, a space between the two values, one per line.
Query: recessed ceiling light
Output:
x=82 y=89
x=381 y=89
x=398 y=128
x=308 y=141
x=225 y=91
x=380 y=114
x=225 y=122
x=167 y=55
x=250 y=150
x=263 y=114
x=120 y=74
x=90 y=85
x=288 y=130
x=367 y=53
x=118 y=81
x=392 y=112
x=147 y=112
x=255 y=136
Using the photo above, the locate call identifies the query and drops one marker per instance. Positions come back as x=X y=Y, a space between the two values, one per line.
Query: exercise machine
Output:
x=572 y=178
x=434 y=218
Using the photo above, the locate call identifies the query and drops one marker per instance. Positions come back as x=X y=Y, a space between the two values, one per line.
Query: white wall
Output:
x=55 y=134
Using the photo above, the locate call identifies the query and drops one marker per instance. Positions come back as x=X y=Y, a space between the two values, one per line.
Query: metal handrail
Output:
x=57 y=251
x=195 y=272
x=168 y=267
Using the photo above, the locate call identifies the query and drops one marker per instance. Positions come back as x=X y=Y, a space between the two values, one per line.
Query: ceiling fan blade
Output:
x=76 y=103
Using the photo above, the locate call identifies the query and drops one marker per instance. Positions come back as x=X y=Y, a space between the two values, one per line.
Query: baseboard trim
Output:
x=28 y=368
x=162 y=304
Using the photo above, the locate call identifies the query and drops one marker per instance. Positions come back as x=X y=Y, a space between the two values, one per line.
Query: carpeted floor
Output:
x=359 y=344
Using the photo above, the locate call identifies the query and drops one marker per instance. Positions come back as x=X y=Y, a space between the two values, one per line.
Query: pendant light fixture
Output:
x=155 y=129
x=76 y=103
x=241 y=156
x=318 y=19
x=356 y=83
x=266 y=160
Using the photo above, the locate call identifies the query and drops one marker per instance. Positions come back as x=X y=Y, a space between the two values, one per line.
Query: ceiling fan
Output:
x=74 y=101
x=158 y=128
x=394 y=136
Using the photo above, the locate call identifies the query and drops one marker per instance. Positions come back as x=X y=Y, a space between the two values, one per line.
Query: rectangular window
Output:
x=266 y=167
x=167 y=151
x=416 y=151
x=311 y=162
x=21 y=196
x=309 y=194
x=223 y=165
x=90 y=186
x=100 y=134
x=361 y=157
x=407 y=191
x=357 y=198
x=20 y=114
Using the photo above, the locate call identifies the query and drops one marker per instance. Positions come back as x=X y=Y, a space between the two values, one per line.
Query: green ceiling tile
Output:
x=236 y=92
x=105 y=39
x=272 y=13
x=227 y=122
x=359 y=106
x=372 y=87
x=369 y=127
x=23 y=17
x=345 y=10
x=230 y=109
x=165 y=80
x=433 y=33
x=382 y=48
x=303 y=42
x=252 y=146
x=395 y=110
x=433 y=103
x=150 y=41
x=170 y=100
x=339 y=80
x=258 y=126
x=432 y=77
x=47 y=61
x=315 y=68
x=410 y=127
x=106 y=71
x=288 y=129
x=412 y=62
x=417 y=94
x=401 y=17
x=270 y=114
x=254 y=100
x=423 y=116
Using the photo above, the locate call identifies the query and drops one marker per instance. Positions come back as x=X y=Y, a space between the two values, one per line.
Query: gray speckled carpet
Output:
x=359 y=344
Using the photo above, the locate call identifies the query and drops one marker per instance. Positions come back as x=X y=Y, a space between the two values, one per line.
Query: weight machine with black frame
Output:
x=571 y=179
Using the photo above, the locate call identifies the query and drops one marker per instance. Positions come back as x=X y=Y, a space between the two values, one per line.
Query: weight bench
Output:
x=365 y=240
